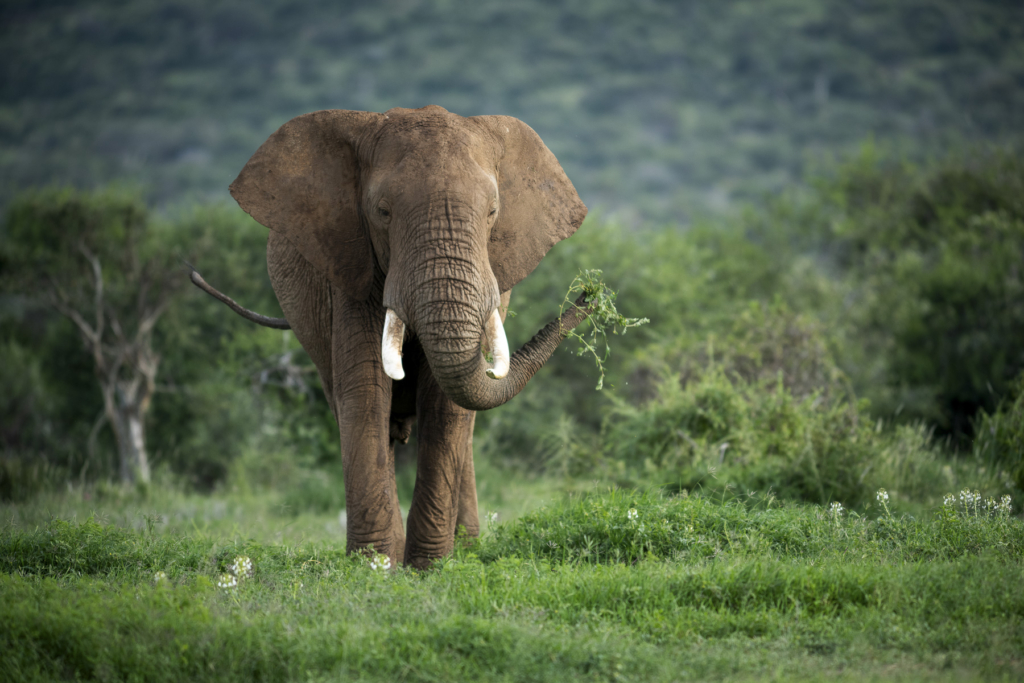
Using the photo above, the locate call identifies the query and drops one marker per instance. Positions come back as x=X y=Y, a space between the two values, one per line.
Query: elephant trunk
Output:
x=450 y=301
x=460 y=368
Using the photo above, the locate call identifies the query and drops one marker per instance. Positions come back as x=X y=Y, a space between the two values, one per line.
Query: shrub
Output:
x=756 y=435
x=316 y=491
x=933 y=260
x=999 y=436
x=771 y=410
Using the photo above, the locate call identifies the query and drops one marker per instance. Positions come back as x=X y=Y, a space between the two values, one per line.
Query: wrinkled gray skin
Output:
x=435 y=217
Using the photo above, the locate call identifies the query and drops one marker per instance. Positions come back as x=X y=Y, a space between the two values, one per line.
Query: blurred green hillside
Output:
x=659 y=110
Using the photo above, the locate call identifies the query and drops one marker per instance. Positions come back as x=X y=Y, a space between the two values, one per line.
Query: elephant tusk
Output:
x=498 y=344
x=391 y=345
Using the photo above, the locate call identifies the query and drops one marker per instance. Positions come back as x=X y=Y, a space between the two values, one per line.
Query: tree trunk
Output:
x=126 y=402
x=131 y=445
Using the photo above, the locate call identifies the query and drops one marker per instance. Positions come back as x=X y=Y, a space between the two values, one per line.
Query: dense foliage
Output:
x=903 y=282
x=938 y=290
x=223 y=386
x=808 y=346
x=98 y=262
x=659 y=109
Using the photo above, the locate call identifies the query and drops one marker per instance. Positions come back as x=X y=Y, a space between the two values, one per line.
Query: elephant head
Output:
x=450 y=211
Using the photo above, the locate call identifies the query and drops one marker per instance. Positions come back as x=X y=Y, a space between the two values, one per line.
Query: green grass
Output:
x=690 y=588
x=292 y=514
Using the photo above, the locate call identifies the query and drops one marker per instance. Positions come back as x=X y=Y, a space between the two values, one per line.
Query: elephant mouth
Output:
x=394 y=336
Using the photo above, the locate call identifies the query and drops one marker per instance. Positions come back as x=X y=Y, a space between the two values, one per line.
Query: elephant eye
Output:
x=493 y=211
x=384 y=212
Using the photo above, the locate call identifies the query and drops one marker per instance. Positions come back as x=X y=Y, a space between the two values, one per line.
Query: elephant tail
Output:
x=276 y=323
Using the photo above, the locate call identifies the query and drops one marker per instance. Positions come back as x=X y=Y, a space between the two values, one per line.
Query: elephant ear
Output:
x=539 y=206
x=303 y=182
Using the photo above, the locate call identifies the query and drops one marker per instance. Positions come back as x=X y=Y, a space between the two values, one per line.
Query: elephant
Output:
x=395 y=240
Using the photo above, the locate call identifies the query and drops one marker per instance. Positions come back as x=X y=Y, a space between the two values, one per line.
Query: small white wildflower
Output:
x=970 y=499
x=492 y=517
x=241 y=567
x=965 y=497
x=835 y=512
x=552 y=545
x=380 y=563
x=159 y=577
x=882 y=496
x=1005 y=507
x=632 y=514
x=948 y=500
x=227 y=582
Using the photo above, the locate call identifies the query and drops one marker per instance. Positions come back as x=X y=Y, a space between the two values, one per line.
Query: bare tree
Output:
x=99 y=262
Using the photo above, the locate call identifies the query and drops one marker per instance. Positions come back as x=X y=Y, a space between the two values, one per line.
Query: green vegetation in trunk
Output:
x=603 y=317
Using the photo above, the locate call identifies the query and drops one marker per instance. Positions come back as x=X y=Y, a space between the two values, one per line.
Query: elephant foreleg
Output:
x=445 y=493
x=362 y=405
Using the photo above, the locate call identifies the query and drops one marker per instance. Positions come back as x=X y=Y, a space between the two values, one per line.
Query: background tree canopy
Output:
x=657 y=109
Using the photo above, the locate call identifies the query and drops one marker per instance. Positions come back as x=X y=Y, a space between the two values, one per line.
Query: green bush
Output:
x=690 y=284
x=771 y=410
x=25 y=409
x=999 y=436
x=24 y=401
x=935 y=299
x=317 y=491
x=755 y=435
x=886 y=282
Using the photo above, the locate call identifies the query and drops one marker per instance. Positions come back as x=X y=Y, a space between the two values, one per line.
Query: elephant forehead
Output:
x=414 y=176
x=431 y=135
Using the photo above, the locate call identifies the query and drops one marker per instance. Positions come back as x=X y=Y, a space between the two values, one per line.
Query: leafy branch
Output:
x=603 y=317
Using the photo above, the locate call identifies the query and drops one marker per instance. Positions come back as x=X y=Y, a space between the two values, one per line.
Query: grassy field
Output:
x=608 y=584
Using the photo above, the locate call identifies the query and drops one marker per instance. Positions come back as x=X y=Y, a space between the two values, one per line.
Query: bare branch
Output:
x=119 y=356
x=61 y=302
x=97 y=275
x=74 y=316
x=143 y=294
x=147 y=323
x=115 y=325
